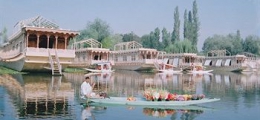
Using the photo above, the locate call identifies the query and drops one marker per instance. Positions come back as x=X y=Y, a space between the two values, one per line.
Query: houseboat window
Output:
x=116 y=58
x=124 y=58
x=13 y=47
x=175 y=61
x=124 y=47
x=149 y=56
x=228 y=62
x=16 y=46
x=218 y=63
x=133 y=58
x=61 y=43
x=207 y=62
x=43 y=41
x=32 y=40
x=52 y=41
x=97 y=57
x=83 y=57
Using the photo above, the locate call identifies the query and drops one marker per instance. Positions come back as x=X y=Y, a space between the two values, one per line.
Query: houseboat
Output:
x=184 y=61
x=89 y=52
x=132 y=56
x=38 y=45
x=162 y=65
x=221 y=60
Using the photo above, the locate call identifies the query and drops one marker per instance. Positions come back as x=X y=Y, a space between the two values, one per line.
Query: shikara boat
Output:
x=143 y=102
x=200 y=71
x=104 y=67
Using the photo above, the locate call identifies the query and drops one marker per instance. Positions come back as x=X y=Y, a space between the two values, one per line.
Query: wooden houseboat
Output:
x=221 y=60
x=132 y=56
x=184 y=61
x=90 y=52
x=38 y=45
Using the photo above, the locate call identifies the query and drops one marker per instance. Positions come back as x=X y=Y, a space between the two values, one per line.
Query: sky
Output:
x=139 y=16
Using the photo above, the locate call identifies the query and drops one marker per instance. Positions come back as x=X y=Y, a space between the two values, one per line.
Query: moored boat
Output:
x=89 y=52
x=222 y=60
x=199 y=69
x=163 y=65
x=104 y=67
x=132 y=56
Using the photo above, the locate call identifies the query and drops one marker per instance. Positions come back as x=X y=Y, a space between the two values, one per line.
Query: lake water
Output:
x=41 y=96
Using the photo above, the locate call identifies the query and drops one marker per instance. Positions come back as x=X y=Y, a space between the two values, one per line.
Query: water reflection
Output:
x=90 y=111
x=44 y=96
x=39 y=96
x=186 y=114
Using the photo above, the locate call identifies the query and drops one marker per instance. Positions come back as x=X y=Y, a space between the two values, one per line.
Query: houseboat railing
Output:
x=51 y=62
x=10 y=54
x=44 y=52
x=58 y=61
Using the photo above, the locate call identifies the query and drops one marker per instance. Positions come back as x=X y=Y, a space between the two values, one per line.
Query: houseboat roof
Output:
x=127 y=46
x=37 y=21
x=39 y=24
x=87 y=43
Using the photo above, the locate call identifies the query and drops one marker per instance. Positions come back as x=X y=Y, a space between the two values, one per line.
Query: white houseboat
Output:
x=132 y=56
x=221 y=60
x=90 y=52
x=38 y=45
x=184 y=61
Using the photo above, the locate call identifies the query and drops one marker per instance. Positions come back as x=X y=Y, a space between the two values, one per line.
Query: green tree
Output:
x=230 y=42
x=98 y=30
x=189 y=27
x=131 y=37
x=166 y=38
x=3 y=35
x=195 y=25
x=252 y=44
x=185 y=25
x=146 y=41
x=176 y=27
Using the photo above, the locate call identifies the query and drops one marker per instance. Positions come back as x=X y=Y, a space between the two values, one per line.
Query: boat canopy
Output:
x=218 y=63
x=207 y=62
x=227 y=63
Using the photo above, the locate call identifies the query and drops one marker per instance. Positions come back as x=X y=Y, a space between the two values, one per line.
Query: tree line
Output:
x=162 y=40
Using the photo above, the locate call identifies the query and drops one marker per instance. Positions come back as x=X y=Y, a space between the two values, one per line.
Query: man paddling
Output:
x=87 y=89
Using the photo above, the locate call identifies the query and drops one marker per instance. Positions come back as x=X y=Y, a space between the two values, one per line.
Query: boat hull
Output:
x=170 y=71
x=15 y=65
x=200 y=71
x=99 y=71
x=134 y=67
x=143 y=102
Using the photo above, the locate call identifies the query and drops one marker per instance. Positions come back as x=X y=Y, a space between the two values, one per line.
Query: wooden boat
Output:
x=143 y=102
x=198 y=69
x=104 y=67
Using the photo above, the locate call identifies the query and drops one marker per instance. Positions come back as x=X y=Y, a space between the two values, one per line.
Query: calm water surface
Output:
x=39 y=96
